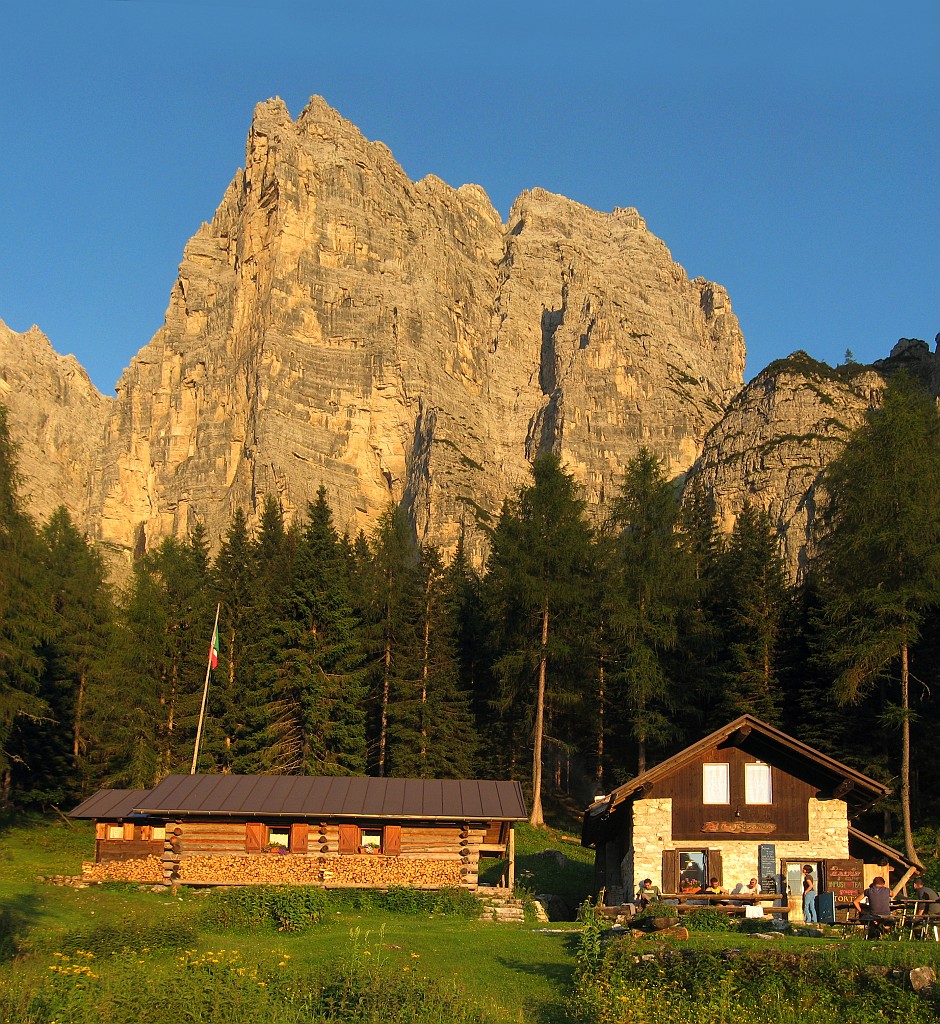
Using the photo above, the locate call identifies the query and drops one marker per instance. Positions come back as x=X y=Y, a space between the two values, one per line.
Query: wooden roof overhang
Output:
x=892 y=856
x=763 y=741
x=335 y=797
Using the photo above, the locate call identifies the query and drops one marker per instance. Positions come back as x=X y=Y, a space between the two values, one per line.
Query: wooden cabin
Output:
x=747 y=801
x=331 y=831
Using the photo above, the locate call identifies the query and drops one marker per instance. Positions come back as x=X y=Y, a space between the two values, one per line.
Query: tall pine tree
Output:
x=648 y=587
x=24 y=619
x=537 y=591
x=879 y=557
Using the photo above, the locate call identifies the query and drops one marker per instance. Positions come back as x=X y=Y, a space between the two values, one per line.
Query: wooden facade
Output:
x=785 y=817
x=281 y=835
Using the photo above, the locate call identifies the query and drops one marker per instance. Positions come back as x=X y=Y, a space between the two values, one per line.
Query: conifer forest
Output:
x=588 y=647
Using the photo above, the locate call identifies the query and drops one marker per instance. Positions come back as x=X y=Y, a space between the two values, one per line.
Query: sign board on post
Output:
x=845 y=879
x=767 y=867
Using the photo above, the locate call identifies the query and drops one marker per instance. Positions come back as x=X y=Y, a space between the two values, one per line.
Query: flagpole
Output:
x=205 y=690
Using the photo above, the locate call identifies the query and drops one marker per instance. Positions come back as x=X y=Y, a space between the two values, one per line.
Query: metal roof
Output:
x=331 y=797
x=110 y=804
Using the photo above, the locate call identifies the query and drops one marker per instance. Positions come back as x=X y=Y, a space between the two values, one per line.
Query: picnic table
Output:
x=913 y=921
x=726 y=903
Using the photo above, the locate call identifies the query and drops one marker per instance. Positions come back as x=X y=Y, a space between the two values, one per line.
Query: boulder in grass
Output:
x=923 y=979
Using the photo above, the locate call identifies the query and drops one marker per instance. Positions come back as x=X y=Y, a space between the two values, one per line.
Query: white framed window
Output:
x=279 y=838
x=370 y=840
x=757 y=784
x=716 y=786
x=115 y=831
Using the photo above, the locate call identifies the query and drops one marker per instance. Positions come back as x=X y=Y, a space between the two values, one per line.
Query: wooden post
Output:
x=511 y=851
x=205 y=689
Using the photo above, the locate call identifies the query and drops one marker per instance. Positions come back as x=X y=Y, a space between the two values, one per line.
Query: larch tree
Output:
x=878 y=560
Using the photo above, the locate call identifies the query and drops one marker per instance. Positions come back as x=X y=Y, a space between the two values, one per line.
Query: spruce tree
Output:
x=431 y=729
x=392 y=579
x=648 y=588
x=260 y=670
x=754 y=587
x=146 y=710
x=232 y=581
x=24 y=619
x=879 y=557
x=81 y=616
x=318 y=725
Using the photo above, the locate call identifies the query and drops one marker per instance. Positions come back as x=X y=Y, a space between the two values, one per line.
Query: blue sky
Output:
x=787 y=151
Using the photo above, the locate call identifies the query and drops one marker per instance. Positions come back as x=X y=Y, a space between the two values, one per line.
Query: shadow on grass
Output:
x=17 y=917
x=559 y=976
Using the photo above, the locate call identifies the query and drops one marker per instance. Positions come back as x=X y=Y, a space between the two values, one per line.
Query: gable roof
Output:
x=764 y=741
x=292 y=796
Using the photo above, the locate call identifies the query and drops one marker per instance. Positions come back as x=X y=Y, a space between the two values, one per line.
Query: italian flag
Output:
x=214 y=649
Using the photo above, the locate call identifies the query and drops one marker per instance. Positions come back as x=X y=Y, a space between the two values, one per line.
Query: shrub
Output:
x=450 y=902
x=708 y=920
x=288 y=908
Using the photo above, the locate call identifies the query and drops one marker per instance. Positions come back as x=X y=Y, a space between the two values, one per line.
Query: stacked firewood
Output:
x=367 y=870
x=146 y=869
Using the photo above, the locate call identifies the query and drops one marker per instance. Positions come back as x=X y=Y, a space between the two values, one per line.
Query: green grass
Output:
x=127 y=954
x=501 y=972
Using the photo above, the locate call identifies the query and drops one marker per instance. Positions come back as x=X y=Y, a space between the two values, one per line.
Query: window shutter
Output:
x=670 y=871
x=714 y=866
x=256 y=835
x=349 y=839
x=391 y=840
x=299 y=836
x=128 y=830
x=101 y=830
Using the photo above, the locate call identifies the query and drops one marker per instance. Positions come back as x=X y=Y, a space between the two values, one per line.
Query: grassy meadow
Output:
x=121 y=953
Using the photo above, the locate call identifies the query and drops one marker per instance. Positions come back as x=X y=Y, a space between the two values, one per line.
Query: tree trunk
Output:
x=79 y=709
x=425 y=672
x=383 y=715
x=535 y=816
x=909 y=847
x=599 y=770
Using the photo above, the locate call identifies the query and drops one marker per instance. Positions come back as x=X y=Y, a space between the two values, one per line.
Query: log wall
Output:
x=216 y=853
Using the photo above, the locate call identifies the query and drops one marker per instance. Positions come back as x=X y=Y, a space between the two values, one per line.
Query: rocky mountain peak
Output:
x=338 y=323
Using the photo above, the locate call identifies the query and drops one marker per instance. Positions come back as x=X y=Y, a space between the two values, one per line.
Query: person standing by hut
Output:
x=809 y=895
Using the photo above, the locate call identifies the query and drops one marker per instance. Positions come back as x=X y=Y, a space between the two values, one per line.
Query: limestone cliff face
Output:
x=776 y=439
x=56 y=417
x=337 y=323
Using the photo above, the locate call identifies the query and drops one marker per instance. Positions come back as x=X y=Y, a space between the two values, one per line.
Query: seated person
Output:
x=714 y=888
x=924 y=892
x=751 y=889
x=876 y=911
x=647 y=892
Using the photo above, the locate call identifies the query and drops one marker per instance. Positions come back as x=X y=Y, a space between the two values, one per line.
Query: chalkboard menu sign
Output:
x=767 y=867
x=845 y=879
